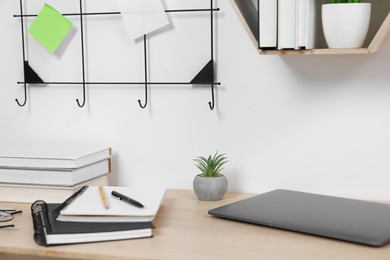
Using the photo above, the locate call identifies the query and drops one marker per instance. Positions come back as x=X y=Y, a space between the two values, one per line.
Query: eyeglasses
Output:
x=7 y=214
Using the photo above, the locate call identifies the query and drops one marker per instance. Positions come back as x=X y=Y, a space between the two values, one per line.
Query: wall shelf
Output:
x=249 y=24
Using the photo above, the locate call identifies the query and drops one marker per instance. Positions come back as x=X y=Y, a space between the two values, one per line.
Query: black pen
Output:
x=68 y=201
x=127 y=199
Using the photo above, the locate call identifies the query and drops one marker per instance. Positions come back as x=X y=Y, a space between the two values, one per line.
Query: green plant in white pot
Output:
x=345 y=23
x=210 y=184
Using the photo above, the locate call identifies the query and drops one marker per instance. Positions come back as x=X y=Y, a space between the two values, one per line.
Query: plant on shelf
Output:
x=344 y=1
x=210 y=184
x=339 y=33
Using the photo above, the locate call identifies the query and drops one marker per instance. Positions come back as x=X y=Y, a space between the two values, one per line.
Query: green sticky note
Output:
x=50 y=28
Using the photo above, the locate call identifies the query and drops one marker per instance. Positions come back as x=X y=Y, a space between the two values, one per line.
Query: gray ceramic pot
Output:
x=210 y=188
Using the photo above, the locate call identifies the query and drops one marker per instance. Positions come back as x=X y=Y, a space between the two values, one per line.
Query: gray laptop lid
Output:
x=340 y=218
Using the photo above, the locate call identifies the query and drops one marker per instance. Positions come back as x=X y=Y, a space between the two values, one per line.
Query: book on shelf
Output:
x=268 y=18
x=51 y=194
x=54 y=177
x=48 y=231
x=62 y=157
x=284 y=24
x=250 y=14
x=287 y=24
x=314 y=35
x=302 y=22
x=89 y=207
x=308 y=25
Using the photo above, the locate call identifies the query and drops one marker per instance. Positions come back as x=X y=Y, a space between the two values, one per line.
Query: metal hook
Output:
x=146 y=102
x=146 y=77
x=77 y=100
x=25 y=97
x=82 y=54
x=212 y=103
x=24 y=56
x=146 y=97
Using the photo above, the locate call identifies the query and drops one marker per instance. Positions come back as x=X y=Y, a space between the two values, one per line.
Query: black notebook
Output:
x=48 y=231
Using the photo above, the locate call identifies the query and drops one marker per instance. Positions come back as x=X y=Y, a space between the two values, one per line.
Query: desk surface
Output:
x=184 y=230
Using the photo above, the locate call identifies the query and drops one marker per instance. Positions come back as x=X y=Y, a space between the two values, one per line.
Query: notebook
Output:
x=88 y=207
x=48 y=231
x=333 y=217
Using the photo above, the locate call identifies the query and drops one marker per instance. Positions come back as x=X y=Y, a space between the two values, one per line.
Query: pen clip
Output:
x=116 y=195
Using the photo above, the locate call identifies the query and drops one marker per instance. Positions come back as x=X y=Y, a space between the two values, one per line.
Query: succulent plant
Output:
x=212 y=165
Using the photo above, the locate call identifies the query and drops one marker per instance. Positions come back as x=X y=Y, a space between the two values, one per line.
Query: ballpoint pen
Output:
x=127 y=199
x=68 y=201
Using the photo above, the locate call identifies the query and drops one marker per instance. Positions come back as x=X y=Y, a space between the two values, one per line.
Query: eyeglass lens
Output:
x=5 y=216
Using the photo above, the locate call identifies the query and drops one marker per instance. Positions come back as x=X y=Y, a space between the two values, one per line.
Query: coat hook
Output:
x=212 y=103
x=82 y=54
x=146 y=97
x=146 y=77
x=25 y=97
x=24 y=56
x=77 y=100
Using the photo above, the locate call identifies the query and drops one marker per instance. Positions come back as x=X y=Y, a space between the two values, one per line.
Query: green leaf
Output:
x=212 y=166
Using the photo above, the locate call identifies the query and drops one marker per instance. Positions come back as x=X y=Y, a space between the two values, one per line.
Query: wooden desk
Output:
x=184 y=230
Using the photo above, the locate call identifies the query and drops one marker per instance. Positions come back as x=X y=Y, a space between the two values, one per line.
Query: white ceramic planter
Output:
x=346 y=25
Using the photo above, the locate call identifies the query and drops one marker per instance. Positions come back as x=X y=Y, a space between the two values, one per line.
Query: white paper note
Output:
x=142 y=16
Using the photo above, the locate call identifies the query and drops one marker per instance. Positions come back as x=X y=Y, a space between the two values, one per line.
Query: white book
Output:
x=50 y=194
x=61 y=177
x=302 y=22
x=63 y=157
x=268 y=18
x=89 y=207
x=314 y=25
x=286 y=24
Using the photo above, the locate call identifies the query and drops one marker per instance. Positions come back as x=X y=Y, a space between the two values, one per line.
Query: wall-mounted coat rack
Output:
x=205 y=77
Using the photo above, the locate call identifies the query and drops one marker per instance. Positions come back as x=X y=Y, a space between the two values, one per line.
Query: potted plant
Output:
x=345 y=23
x=210 y=184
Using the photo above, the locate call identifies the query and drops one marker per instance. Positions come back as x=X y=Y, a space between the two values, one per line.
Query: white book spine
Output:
x=267 y=23
x=302 y=23
x=312 y=25
x=286 y=24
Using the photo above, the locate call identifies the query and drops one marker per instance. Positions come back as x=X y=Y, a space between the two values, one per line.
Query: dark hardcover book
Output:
x=48 y=231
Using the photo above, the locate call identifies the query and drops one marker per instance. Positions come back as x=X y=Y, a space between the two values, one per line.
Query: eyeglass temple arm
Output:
x=7 y=226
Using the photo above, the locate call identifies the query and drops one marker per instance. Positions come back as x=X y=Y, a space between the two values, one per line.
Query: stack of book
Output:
x=287 y=24
x=95 y=214
x=26 y=176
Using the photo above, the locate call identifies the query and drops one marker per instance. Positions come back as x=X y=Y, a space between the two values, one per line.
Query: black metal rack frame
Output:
x=205 y=77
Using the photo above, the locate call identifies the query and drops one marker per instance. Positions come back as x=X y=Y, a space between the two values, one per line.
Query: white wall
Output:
x=319 y=124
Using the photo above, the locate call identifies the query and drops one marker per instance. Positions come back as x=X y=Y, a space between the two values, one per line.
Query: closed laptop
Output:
x=333 y=217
